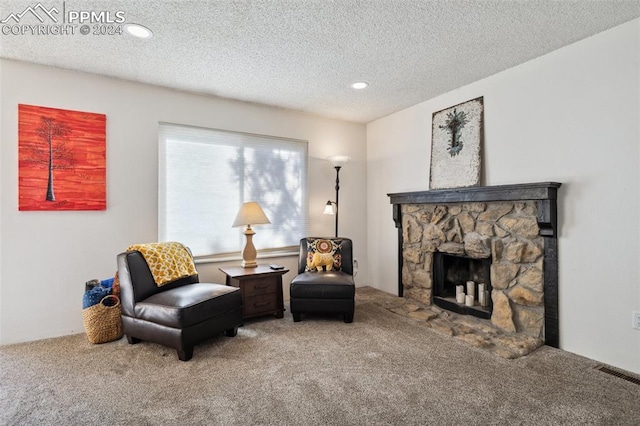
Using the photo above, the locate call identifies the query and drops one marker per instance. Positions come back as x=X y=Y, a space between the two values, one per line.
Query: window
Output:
x=205 y=175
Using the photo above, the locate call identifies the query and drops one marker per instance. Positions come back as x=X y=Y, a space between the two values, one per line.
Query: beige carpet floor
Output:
x=383 y=369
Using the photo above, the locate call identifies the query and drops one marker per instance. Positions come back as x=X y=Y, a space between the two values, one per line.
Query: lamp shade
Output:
x=250 y=214
x=338 y=160
x=329 y=208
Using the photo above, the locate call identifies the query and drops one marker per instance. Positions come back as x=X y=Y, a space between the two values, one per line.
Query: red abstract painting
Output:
x=61 y=159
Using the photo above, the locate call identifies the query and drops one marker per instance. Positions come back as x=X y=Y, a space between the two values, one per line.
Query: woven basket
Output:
x=102 y=323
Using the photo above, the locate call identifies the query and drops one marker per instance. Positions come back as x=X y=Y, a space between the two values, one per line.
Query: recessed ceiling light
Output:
x=138 y=30
x=360 y=85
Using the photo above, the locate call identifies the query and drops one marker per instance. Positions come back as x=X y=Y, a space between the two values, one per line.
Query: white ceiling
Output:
x=304 y=54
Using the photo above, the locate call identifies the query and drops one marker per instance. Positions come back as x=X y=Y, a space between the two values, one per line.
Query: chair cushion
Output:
x=190 y=304
x=323 y=285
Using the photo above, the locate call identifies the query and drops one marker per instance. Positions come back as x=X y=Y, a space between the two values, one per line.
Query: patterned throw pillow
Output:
x=324 y=254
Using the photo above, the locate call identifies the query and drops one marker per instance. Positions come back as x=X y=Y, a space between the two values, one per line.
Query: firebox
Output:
x=453 y=275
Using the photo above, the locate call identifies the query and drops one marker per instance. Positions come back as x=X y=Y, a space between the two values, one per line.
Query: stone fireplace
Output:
x=502 y=236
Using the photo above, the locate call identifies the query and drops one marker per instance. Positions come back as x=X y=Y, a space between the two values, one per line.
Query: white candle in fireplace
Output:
x=486 y=298
x=469 y=300
x=481 y=296
x=471 y=289
x=459 y=289
x=460 y=297
x=481 y=289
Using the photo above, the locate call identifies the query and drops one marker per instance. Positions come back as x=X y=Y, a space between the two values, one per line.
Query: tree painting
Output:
x=61 y=157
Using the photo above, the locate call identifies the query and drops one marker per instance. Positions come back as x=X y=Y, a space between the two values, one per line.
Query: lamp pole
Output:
x=337 y=191
x=337 y=161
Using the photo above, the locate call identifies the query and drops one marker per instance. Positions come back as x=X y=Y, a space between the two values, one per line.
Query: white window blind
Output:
x=205 y=175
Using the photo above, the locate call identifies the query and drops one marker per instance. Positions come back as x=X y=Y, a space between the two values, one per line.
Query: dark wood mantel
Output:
x=544 y=193
x=522 y=191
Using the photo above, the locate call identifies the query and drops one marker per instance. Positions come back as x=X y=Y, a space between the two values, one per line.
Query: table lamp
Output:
x=249 y=214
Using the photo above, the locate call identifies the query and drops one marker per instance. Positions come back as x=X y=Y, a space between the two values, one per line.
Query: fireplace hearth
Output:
x=504 y=237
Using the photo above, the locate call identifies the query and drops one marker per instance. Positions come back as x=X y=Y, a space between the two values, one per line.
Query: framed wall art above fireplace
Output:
x=456 y=143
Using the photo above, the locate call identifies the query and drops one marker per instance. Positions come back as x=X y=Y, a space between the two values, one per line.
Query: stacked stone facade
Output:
x=506 y=231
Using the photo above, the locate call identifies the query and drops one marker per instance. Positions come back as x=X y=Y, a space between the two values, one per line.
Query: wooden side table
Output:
x=261 y=289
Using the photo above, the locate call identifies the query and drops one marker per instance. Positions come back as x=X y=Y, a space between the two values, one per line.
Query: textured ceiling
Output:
x=304 y=54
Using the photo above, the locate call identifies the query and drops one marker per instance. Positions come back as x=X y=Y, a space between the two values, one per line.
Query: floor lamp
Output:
x=332 y=206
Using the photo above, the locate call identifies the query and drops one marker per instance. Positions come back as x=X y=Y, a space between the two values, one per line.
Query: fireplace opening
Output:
x=453 y=275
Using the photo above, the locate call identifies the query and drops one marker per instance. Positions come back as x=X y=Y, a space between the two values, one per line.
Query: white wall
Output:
x=45 y=257
x=571 y=116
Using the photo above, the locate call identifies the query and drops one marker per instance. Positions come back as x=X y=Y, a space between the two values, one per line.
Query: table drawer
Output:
x=261 y=303
x=261 y=286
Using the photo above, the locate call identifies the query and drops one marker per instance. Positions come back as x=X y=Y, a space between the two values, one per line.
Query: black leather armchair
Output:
x=179 y=314
x=329 y=290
